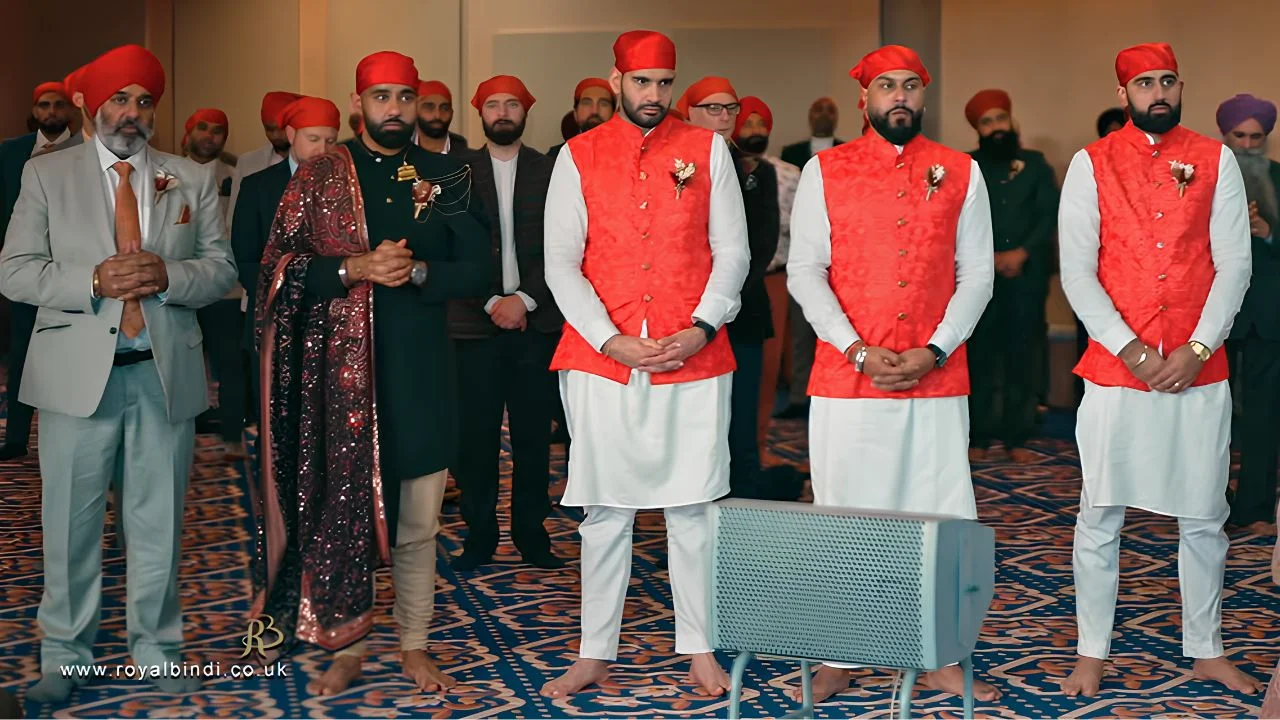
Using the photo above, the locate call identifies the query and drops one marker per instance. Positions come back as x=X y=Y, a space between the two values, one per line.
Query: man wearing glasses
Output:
x=712 y=103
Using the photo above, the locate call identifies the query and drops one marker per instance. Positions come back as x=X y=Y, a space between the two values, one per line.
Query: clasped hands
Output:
x=130 y=276
x=1167 y=375
x=655 y=355
x=894 y=372
x=390 y=264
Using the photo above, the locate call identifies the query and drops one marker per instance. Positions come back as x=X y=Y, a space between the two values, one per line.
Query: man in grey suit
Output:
x=117 y=245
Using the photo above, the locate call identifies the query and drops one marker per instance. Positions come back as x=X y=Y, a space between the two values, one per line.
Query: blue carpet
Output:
x=506 y=630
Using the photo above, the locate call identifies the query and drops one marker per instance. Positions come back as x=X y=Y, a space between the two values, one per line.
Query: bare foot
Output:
x=978 y=455
x=707 y=674
x=422 y=672
x=583 y=674
x=950 y=679
x=1085 y=679
x=827 y=682
x=1022 y=456
x=1223 y=671
x=344 y=670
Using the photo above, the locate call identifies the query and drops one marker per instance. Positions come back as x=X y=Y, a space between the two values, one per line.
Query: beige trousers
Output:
x=413 y=562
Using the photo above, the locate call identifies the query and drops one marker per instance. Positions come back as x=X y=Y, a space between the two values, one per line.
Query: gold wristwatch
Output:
x=1201 y=350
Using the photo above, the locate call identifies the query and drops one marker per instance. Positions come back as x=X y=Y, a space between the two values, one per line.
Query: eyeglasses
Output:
x=716 y=109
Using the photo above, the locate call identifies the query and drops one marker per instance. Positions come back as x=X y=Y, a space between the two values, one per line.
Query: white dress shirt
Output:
x=810 y=258
x=566 y=237
x=42 y=140
x=504 y=177
x=817 y=144
x=144 y=188
x=255 y=160
x=1078 y=236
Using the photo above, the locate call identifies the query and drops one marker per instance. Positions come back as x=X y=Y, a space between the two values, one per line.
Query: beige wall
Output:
x=787 y=53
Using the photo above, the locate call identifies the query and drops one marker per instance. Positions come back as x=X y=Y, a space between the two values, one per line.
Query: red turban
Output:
x=72 y=81
x=498 y=84
x=308 y=112
x=212 y=116
x=752 y=105
x=985 y=100
x=887 y=59
x=117 y=69
x=643 y=50
x=49 y=87
x=703 y=89
x=592 y=82
x=275 y=101
x=1139 y=59
x=386 y=68
x=434 y=87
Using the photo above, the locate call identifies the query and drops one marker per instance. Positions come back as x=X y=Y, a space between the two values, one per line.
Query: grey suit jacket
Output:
x=60 y=230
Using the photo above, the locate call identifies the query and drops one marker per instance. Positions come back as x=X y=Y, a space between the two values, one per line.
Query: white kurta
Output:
x=641 y=445
x=1166 y=453
x=908 y=455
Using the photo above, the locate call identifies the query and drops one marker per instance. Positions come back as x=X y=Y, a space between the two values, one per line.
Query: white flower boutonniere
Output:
x=933 y=179
x=682 y=174
x=1182 y=174
x=164 y=183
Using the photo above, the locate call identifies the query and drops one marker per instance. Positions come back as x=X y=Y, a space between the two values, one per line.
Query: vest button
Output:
x=900 y=165
x=902 y=221
x=1155 y=153
x=1160 y=245
x=1161 y=276
x=644 y=175
x=902 y=193
x=902 y=283
x=112 y=331
x=644 y=205
x=644 y=266
x=902 y=252
x=648 y=298
x=1159 y=215
x=1163 y=308
x=389 y=201
x=644 y=236
x=902 y=316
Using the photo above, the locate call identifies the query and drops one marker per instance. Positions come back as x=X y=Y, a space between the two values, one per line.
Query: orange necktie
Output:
x=128 y=240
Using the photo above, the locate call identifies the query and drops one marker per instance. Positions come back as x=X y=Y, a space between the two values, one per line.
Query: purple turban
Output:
x=1244 y=107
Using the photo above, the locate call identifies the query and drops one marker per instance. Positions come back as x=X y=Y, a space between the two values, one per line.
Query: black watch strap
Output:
x=707 y=328
x=940 y=356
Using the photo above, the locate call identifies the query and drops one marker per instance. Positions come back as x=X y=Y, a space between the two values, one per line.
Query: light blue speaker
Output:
x=874 y=588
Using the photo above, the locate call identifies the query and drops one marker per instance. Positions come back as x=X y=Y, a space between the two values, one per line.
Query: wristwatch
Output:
x=706 y=328
x=940 y=357
x=1201 y=350
x=860 y=358
x=418 y=275
x=343 y=275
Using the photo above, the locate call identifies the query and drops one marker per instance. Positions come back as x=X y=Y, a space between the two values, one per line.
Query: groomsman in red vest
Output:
x=891 y=261
x=646 y=253
x=1154 y=230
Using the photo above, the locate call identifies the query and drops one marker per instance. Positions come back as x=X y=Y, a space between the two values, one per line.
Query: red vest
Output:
x=1154 y=259
x=647 y=254
x=893 y=258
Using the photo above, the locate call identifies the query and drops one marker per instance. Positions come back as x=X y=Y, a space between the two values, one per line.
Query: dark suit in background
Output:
x=14 y=154
x=1256 y=334
x=799 y=153
x=752 y=326
x=508 y=369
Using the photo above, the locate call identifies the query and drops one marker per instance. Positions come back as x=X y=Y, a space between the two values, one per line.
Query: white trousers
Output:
x=1095 y=558
x=606 y=574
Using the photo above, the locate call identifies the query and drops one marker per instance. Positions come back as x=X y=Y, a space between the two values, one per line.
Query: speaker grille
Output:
x=823 y=587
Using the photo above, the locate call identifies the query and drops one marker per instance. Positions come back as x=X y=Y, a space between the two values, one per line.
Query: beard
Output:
x=434 y=129
x=1001 y=145
x=897 y=133
x=1255 y=168
x=823 y=127
x=503 y=132
x=594 y=121
x=280 y=146
x=207 y=150
x=391 y=134
x=633 y=113
x=754 y=144
x=1158 y=124
x=53 y=126
x=123 y=145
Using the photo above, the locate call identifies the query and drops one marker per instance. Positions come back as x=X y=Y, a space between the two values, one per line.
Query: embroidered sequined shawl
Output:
x=322 y=528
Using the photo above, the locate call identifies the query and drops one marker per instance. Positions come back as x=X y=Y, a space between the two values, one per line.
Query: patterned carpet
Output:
x=504 y=632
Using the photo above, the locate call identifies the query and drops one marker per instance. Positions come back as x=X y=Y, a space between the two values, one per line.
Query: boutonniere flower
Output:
x=1015 y=168
x=682 y=174
x=933 y=179
x=424 y=194
x=1182 y=174
x=164 y=183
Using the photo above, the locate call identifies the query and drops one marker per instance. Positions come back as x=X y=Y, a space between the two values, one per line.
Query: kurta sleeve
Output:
x=809 y=261
x=727 y=234
x=975 y=267
x=1079 y=225
x=1230 y=245
x=565 y=241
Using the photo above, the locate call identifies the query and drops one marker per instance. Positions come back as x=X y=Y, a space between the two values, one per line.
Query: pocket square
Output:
x=184 y=217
